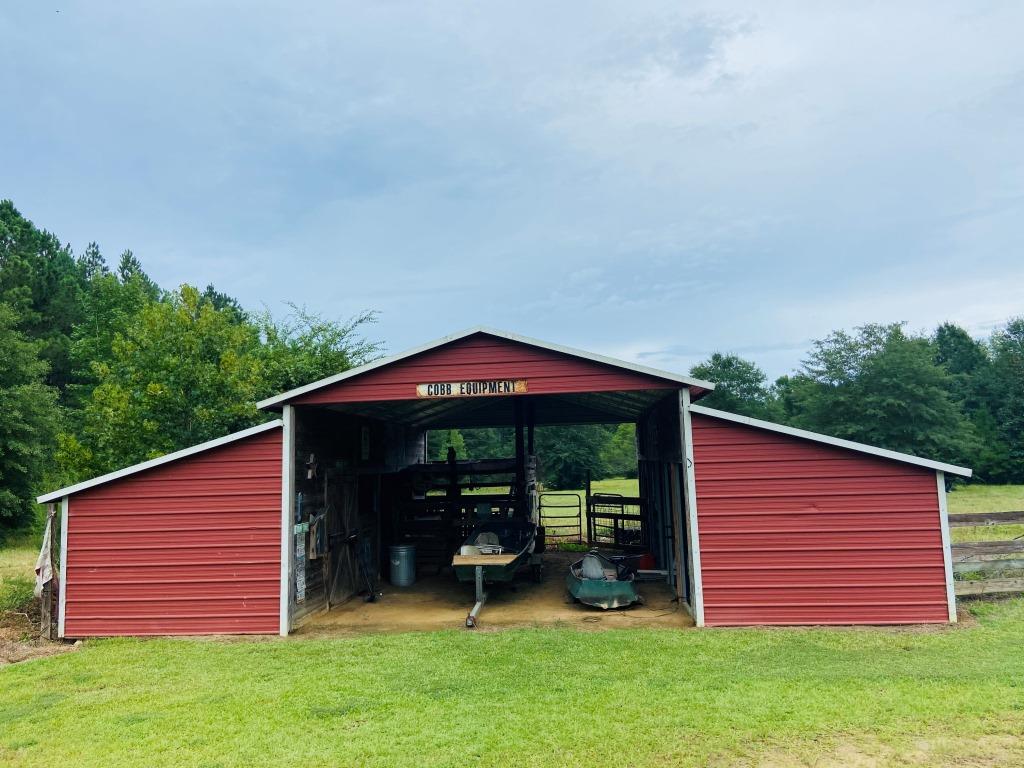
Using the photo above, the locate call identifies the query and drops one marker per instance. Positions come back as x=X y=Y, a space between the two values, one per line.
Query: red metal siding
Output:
x=191 y=547
x=484 y=357
x=796 y=532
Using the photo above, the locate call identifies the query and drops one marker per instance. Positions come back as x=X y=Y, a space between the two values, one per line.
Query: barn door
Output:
x=343 y=524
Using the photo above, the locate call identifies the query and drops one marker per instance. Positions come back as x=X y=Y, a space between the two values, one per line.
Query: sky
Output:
x=652 y=181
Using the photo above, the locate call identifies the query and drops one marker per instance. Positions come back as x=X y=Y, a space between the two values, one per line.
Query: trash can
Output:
x=403 y=564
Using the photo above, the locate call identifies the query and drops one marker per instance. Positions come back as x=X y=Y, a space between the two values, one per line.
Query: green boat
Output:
x=603 y=582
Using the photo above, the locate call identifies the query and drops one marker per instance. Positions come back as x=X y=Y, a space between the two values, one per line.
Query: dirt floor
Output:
x=440 y=602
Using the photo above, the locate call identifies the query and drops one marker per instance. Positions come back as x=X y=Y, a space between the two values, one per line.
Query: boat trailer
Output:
x=481 y=562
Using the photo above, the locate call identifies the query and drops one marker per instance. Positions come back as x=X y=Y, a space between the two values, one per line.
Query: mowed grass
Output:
x=532 y=697
x=535 y=697
x=986 y=498
x=17 y=571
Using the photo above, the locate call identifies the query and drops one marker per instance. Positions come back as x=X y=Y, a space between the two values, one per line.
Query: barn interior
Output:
x=363 y=483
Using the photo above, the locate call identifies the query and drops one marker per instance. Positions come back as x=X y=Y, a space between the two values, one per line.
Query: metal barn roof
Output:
x=166 y=459
x=835 y=441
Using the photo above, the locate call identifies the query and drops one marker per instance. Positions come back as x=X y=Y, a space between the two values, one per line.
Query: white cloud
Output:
x=738 y=176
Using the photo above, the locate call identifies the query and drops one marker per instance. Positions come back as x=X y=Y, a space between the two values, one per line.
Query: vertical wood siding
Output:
x=190 y=547
x=484 y=357
x=795 y=532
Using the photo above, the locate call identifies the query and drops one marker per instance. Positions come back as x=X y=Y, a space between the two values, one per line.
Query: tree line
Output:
x=101 y=368
x=943 y=395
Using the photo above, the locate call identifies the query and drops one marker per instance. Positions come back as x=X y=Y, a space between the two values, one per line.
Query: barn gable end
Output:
x=192 y=546
x=799 y=532
x=483 y=357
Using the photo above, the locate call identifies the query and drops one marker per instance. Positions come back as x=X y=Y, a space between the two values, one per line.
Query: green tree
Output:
x=489 y=442
x=28 y=418
x=306 y=347
x=1008 y=389
x=440 y=440
x=972 y=383
x=111 y=303
x=41 y=281
x=181 y=373
x=957 y=351
x=740 y=386
x=618 y=455
x=883 y=388
x=567 y=453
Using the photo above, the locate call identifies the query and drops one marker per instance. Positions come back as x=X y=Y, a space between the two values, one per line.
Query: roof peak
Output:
x=688 y=381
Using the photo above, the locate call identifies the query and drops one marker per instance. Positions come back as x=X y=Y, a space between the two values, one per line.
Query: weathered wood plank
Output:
x=989 y=564
x=989 y=586
x=483 y=559
x=985 y=557
x=962 y=520
x=969 y=549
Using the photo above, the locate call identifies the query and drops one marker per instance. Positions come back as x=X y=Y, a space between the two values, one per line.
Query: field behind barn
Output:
x=532 y=697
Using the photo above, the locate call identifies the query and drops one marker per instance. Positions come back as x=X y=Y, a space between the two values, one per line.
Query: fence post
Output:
x=46 y=628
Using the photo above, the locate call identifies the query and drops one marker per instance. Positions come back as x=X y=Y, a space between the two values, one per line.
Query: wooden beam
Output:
x=974 y=548
x=991 y=564
x=989 y=586
x=986 y=518
x=498 y=560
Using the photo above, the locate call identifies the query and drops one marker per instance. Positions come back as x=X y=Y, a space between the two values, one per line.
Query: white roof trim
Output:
x=278 y=399
x=838 y=442
x=72 y=489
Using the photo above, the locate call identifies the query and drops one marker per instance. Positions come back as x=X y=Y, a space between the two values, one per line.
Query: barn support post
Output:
x=287 y=516
x=62 y=590
x=686 y=428
x=947 y=552
x=679 y=553
x=520 y=422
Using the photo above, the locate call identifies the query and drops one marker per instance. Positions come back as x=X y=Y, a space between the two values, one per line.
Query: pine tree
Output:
x=28 y=416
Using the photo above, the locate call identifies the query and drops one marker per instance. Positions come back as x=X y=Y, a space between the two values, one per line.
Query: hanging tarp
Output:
x=44 y=563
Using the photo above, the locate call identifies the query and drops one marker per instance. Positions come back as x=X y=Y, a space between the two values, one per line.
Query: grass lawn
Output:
x=986 y=498
x=17 y=570
x=528 y=697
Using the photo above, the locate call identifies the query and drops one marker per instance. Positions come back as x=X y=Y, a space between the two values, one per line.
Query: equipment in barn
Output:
x=493 y=553
x=603 y=582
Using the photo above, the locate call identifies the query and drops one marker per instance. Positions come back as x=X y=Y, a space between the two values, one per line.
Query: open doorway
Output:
x=370 y=478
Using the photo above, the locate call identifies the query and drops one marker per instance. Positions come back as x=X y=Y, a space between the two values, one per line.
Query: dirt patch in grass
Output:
x=982 y=751
x=19 y=636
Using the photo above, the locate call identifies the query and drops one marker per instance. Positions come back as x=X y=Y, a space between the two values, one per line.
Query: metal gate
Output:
x=561 y=515
x=617 y=521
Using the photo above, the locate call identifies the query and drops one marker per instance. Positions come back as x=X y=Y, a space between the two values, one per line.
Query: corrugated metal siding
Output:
x=484 y=357
x=795 y=532
x=190 y=547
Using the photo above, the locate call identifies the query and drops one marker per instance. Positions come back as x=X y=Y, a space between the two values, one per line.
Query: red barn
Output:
x=752 y=522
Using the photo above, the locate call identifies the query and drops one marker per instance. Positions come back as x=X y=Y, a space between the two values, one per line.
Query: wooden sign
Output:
x=477 y=388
